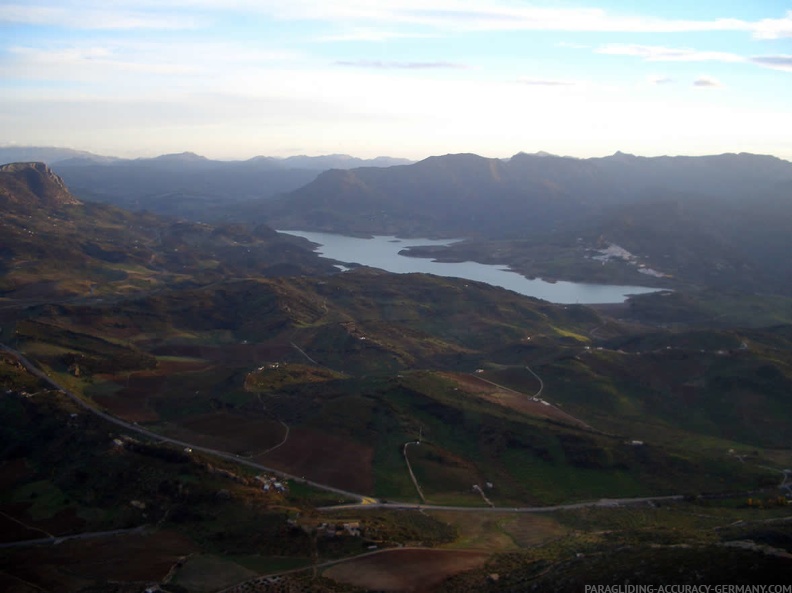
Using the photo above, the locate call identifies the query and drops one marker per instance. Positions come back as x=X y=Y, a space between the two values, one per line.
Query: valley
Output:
x=225 y=409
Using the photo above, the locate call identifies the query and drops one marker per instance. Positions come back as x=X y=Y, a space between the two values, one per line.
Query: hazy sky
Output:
x=409 y=78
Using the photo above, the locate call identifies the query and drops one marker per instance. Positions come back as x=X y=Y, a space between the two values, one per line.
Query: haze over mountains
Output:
x=720 y=221
x=159 y=376
x=469 y=194
x=184 y=184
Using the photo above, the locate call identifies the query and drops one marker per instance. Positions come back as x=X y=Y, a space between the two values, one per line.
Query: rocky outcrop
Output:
x=34 y=184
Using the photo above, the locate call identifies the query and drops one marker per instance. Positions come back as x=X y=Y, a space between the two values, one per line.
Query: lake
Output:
x=383 y=252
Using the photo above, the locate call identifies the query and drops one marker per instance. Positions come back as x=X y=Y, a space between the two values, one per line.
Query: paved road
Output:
x=366 y=502
x=602 y=502
x=538 y=378
x=55 y=540
x=142 y=431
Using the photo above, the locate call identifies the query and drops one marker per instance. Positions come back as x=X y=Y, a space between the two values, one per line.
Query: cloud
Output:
x=570 y=45
x=107 y=62
x=387 y=65
x=774 y=28
x=85 y=63
x=783 y=62
x=372 y=35
x=457 y=15
x=439 y=15
x=656 y=53
x=100 y=17
x=658 y=80
x=706 y=82
x=545 y=82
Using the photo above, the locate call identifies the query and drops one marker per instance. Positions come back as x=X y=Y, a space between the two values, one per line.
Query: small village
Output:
x=328 y=530
x=272 y=483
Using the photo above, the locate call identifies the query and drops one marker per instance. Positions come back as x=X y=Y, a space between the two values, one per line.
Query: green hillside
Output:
x=181 y=402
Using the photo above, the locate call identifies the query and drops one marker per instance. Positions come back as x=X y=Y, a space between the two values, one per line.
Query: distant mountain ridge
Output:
x=52 y=155
x=721 y=221
x=469 y=194
x=184 y=185
x=47 y=154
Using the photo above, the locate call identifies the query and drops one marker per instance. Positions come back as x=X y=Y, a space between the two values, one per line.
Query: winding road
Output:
x=538 y=378
x=55 y=540
x=409 y=469
x=158 y=437
x=364 y=502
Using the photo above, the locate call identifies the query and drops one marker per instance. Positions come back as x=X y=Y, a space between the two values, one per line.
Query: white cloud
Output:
x=707 y=82
x=104 y=16
x=781 y=62
x=655 y=53
x=545 y=82
x=774 y=28
x=373 y=35
x=129 y=62
x=244 y=96
x=439 y=15
x=390 y=65
x=84 y=63
x=659 y=79
x=570 y=45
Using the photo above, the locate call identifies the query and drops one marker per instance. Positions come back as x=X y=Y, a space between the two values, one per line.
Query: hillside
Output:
x=701 y=223
x=181 y=402
x=184 y=185
x=469 y=194
x=717 y=222
x=55 y=245
x=27 y=186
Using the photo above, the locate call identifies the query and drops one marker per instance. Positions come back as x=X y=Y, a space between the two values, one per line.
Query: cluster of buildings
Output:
x=272 y=484
x=329 y=530
x=615 y=253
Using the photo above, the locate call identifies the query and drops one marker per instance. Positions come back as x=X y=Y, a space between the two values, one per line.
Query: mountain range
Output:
x=185 y=405
x=719 y=221
x=715 y=222
x=470 y=195
x=186 y=185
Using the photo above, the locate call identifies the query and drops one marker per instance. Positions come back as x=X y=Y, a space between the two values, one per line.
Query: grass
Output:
x=45 y=499
x=548 y=482
x=400 y=527
x=277 y=375
x=304 y=494
x=205 y=573
x=501 y=532
x=270 y=564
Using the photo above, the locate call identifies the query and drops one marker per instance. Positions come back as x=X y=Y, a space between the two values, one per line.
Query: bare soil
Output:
x=131 y=403
x=325 y=458
x=234 y=433
x=253 y=354
x=247 y=433
x=75 y=564
x=510 y=399
x=204 y=573
x=406 y=570
x=13 y=471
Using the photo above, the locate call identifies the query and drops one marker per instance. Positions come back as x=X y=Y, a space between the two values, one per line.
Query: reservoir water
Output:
x=383 y=252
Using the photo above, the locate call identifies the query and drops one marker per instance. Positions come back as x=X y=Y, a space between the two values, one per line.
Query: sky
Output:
x=232 y=79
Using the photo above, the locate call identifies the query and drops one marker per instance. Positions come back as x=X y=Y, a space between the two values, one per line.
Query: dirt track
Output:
x=406 y=570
